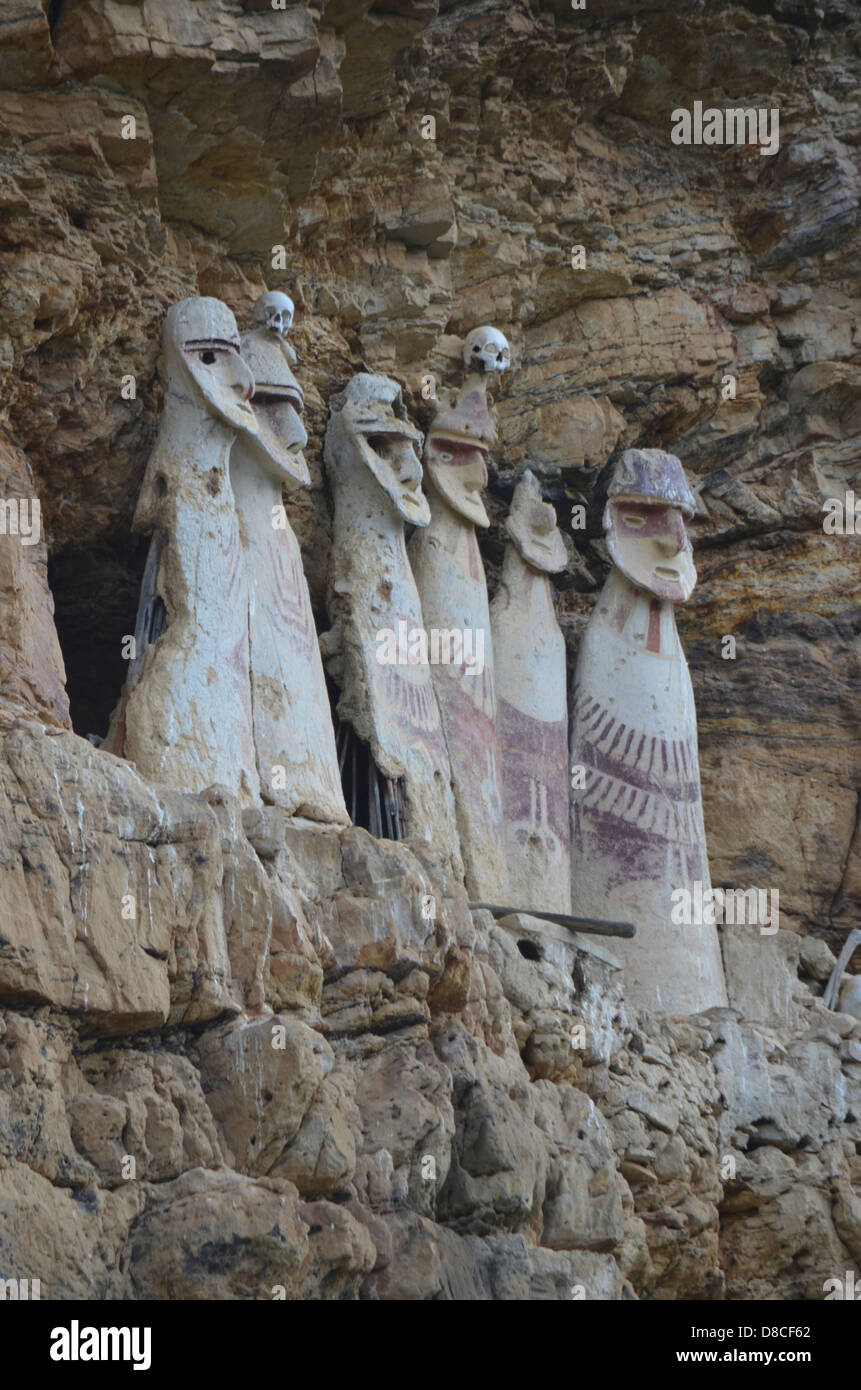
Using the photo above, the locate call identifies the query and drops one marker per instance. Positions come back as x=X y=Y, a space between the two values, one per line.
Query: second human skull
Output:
x=274 y=310
x=486 y=350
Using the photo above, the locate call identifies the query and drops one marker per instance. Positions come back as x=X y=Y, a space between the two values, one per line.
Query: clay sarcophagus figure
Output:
x=387 y=695
x=453 y=592
x=637 y=830
x=293 y=734
x=226 y=685
x=184 y=716
x=531 y=688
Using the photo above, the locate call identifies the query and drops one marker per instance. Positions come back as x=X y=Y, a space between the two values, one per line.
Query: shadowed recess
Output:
x=96 y=591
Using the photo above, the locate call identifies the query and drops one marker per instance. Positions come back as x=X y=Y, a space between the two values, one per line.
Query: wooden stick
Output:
x=591 y=925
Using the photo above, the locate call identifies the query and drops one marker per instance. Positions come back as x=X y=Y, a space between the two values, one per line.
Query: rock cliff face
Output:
x=240 y=1055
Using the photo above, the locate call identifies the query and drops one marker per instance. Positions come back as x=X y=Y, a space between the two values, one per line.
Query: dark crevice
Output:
x=53 y=12
x=96 y=589
x=374 y=802
x=528 y=949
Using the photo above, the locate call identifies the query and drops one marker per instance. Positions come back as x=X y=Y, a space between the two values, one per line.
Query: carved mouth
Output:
x=378 y=430
x=666 y=572
x=396 y=451
x=472 y=441
x=275 y=394
x=382 y=443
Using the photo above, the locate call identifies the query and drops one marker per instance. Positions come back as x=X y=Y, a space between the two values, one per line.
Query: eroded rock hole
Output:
x=578 y=975
x=528 y=949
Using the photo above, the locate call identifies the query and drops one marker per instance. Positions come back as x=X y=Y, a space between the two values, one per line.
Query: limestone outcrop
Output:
x=277 y=1051
x=248 y=1056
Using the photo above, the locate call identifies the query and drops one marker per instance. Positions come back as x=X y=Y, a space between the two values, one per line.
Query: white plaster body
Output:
x=192 y=708
x=293 y=733
x=637 y=828
x=453 y=591
x=531 y=679
x=393 y=708
x=187 y=722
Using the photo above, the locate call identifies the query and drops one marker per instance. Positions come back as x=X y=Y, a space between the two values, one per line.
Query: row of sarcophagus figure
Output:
x=452 y=720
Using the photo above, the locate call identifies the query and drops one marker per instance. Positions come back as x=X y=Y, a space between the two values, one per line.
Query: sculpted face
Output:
x=283 y=436
x=374 y=416
x=202 y=352
x=457 y=467
x=278 y=397
x=650 y=545
x=531 y=524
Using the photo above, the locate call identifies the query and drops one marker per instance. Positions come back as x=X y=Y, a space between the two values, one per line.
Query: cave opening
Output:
x=96 y=588
x=374 y=801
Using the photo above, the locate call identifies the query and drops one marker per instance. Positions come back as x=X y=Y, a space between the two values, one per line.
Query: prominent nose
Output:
x=239 y=378
x=411 y=468
x=675 y=538
x=296 y=434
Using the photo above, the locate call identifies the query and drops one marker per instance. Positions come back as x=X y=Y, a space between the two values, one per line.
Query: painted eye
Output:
x=634 y=521
x=208 y=358
x=444 y=458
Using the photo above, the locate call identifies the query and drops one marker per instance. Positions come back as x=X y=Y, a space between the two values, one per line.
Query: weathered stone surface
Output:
x=222 y=1236
x=256 y=128
x=761 y=973
x=111 y=905
x=34 y=678
x=148 y=1107
x=67 y=1239
x=259 y=1079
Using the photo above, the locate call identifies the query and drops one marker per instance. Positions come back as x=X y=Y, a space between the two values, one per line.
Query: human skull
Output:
x=486 y=350
x=274 y=310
